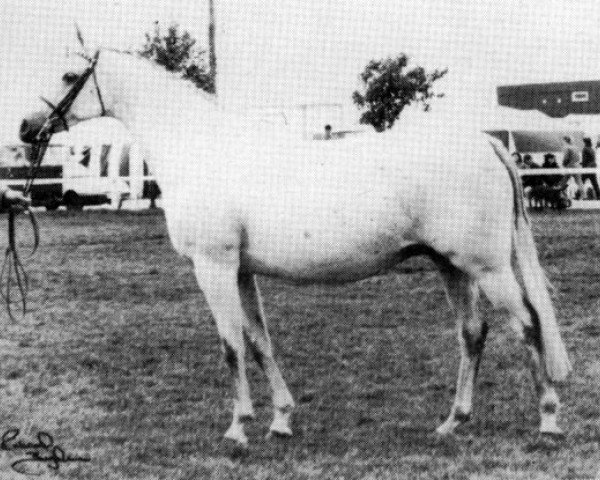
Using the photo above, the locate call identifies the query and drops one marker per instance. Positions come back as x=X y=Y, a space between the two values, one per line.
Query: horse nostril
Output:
x=28 y=131
x=25 y=131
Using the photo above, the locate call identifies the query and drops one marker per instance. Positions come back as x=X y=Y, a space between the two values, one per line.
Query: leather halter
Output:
x=59 y=111
x=12 y=261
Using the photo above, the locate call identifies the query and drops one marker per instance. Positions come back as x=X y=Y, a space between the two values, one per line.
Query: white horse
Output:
x=241 y=201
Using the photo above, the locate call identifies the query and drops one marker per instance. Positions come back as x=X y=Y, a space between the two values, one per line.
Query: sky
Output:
x=275 y=52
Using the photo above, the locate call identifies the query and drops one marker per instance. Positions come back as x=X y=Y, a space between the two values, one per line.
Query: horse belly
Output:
x=310 y=253
x=308 y=269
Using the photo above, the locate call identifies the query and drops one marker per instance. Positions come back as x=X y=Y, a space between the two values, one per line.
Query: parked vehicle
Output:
x=67 y=177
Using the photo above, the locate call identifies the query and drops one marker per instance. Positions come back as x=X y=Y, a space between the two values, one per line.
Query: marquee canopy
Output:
x=531 y=141
x=531 y=131
x=557 y=100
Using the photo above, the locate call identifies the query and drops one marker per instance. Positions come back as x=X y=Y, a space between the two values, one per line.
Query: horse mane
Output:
x=174 y=79
x=433 y=139
x=190 y=102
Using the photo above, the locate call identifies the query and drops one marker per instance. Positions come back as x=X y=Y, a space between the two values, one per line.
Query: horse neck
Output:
x=164 y=114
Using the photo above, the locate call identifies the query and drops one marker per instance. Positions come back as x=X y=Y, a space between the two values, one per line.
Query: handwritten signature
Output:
x=41 y=451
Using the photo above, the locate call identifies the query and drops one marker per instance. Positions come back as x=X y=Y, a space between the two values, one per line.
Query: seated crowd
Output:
x=551 y=190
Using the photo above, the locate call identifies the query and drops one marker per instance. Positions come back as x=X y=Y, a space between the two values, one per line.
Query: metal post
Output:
x=212 y=48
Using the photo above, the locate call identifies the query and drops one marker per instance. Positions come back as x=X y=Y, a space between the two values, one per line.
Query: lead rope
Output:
x=12 y=259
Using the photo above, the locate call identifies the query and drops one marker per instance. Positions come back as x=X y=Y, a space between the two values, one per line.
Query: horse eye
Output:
x=70 y=77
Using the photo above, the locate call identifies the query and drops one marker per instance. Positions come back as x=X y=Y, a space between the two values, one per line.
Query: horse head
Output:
x=78 y=98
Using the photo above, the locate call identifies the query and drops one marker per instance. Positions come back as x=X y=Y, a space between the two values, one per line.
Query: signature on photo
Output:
x=42 y=451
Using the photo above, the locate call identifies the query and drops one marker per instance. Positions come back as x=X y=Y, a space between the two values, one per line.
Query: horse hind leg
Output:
x=503 y=291
x=463 y=293
x=259 y=343
x=218 y=282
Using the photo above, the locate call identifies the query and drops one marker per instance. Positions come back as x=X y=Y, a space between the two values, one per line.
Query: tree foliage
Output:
x=176 y=51
x=388 y=87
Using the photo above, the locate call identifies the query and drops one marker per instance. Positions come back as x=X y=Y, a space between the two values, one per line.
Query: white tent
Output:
x=531 y=131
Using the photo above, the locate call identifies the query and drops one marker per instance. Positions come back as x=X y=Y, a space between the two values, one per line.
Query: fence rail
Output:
x=558 y=171
x=52 y=181
x=123 y=166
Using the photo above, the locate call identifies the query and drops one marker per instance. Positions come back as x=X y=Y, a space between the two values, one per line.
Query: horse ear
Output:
x=85 y=54
x=79 y=36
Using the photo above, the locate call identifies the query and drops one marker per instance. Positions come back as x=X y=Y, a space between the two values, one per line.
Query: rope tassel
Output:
x=13 y=272
x=12 y=263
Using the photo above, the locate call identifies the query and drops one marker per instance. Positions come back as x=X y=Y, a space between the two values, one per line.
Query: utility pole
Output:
x=212 y=51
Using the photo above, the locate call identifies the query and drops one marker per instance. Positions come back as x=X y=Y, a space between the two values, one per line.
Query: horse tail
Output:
x=537 y=297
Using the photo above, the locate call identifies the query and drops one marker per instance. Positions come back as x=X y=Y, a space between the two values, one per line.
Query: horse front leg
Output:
x=218 y=280
x=463 y=293
x=259 y=343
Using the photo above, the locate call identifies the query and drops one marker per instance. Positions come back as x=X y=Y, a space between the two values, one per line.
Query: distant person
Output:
x=553 y=192
x=532 y=183
x=550 y=162
x=516 y=156
x=531 y=180
x=528 y=161
x=327 y=135
x=572 y=159
x=588 y=160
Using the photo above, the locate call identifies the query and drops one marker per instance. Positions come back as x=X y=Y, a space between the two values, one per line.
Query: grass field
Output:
x=119 y=360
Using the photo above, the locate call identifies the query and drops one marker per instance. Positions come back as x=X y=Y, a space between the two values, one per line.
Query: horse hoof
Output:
x=549 y=427
x=445 y=429
x=237 y=436
x=281 y=432
x=280 y=426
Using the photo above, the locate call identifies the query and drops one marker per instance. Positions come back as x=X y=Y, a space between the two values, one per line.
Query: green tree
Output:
x=176 y=51
x=388 y=87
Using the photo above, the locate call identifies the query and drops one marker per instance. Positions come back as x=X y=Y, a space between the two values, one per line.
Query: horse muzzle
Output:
x=31 y=126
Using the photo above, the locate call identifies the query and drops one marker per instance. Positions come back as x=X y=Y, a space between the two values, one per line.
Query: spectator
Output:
x=532 y=183
x=517 y=159
x=572 y=159
x=588 y=160
x=550 y=162
x=327 y=135
x=531 y=180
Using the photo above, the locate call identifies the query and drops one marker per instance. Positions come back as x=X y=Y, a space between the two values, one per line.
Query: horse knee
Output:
x=504 y=292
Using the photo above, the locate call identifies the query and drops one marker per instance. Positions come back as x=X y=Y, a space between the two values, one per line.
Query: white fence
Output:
x=567 y=172
x=558 y=171
x=116 y=170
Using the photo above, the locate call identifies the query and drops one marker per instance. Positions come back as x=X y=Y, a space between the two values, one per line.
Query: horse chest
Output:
x=200 y=230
